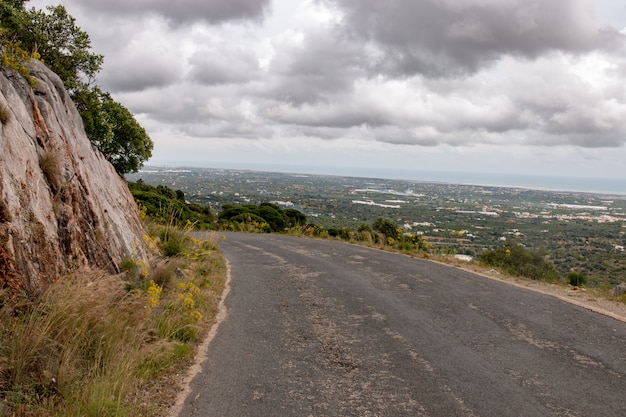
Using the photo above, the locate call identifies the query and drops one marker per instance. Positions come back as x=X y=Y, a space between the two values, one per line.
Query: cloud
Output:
x=307 y=67
x=213 y=65
x=135 y=61
x=440 y=38
x=411 y=74
x=182 y=11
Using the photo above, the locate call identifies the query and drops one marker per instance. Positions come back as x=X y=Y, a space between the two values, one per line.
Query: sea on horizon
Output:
x=609 y=186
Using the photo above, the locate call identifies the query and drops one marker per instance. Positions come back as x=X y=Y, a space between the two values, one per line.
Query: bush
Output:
x=515 y=259
x=173 y=243
x=576 y=279
x=164 y=205
x=265 y=213
x=387 y=227
x=343 y=233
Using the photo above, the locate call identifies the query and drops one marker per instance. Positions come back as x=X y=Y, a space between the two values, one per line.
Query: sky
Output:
x=389 y=88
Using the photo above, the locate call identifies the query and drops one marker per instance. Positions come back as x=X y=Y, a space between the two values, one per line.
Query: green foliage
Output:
x=517 y=260
x=295 y=218
x=387 y=227
x=576 y=279
x=172 y=242
x=14 y=57
x=276 y=219
x=114 y=130
x=342 y=233
x=161 y=205
x=53 y=36
x=61 y=44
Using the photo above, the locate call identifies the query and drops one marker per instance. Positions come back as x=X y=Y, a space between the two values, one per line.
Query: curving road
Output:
x=322 y=328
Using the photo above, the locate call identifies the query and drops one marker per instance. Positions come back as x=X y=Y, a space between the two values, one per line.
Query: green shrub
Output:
x=163 y=205
x=515 y=259
x=342 y=233
x=276 y=218
x=173 y=244
x=387 y=227
x=576 y=279
x=406 y=246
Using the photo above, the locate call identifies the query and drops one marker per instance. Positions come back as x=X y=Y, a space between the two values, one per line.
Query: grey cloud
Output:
x=213 y=67
x=397 y=136
x=326 y=63
x=335 y=115
x=182 y=11
x=454 y=37
x=435 y=55
x=223 y=129
x=130 y=73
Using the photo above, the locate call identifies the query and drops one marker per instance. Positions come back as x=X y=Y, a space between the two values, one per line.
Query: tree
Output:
x=62 y=45
x=114 y=130
x=54 y=37
x=271 y=214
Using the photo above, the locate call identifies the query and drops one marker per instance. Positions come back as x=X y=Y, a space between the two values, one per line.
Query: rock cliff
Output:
x=62 y=205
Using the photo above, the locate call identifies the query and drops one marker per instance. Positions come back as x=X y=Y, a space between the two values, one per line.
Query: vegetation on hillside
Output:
x=163 y=205
x=94 y=344
x=515 y=259
x=53 y=37
x=452 y=219
x=265 y=217
x=107 y=346
x=512 y=258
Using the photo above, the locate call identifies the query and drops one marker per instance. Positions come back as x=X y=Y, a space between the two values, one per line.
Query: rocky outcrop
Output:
x=62 y=205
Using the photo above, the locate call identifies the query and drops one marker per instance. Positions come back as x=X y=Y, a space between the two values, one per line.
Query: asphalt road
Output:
x=321 y=328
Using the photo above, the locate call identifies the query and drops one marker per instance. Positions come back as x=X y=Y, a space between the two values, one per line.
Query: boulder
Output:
x=618 y=290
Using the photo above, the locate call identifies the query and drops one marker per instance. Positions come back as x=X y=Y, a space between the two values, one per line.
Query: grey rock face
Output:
x=62 y=205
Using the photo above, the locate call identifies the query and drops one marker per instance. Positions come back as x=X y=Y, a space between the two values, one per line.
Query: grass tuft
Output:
x=49 y=164
x=5 y=114
x=95 y=345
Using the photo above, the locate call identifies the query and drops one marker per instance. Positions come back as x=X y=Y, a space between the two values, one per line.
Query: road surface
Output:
x=322 y=328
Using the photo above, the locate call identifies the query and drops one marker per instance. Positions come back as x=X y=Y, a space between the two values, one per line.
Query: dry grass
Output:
x=49 y=164
x=93 y=345
x=5 y=114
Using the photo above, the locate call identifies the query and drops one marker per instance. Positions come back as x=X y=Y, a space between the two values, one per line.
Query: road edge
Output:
x=565 y=298
x=201 y=354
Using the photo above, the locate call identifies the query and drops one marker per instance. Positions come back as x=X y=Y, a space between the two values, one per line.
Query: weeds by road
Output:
x=111 y=345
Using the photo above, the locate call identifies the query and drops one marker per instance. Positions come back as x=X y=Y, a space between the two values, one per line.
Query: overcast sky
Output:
x=370 y=86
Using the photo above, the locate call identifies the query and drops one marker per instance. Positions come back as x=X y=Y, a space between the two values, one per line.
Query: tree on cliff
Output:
x=54 y=37
x=114 y=130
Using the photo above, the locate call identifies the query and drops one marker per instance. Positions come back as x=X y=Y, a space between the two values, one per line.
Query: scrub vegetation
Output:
x=108 y=345
x=576 y=232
